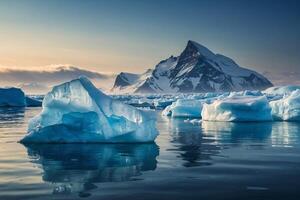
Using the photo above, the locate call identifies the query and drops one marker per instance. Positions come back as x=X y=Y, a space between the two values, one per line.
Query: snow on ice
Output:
x=238 y=108
x=287 y=108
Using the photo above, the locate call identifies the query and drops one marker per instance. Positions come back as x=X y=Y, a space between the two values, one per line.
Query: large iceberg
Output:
x=238 y=108
x=12 y=97
x=77 y=112
x=287 y=108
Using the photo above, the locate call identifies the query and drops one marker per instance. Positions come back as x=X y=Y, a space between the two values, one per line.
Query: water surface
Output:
x=211 y=160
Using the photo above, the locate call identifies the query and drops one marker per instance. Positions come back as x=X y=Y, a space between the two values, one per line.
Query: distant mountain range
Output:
x=196 y=69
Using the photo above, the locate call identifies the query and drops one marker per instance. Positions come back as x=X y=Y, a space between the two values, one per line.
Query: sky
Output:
x=134 y=35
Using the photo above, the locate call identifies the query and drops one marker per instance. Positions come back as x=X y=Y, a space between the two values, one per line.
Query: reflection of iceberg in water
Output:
x=190 y=143
x=237 y=132
x=285 y=134
x=76 y=167
x=11 y=115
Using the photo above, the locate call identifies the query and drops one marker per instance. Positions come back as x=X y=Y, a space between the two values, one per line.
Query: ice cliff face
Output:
x=196 y=69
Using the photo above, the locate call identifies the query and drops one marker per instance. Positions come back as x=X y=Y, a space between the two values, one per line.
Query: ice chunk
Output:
x=189 y=108
x=193 y=121
x=77 y=111
x=287 y=108
x=282 y=90
x=238 y=108
x=12 y=97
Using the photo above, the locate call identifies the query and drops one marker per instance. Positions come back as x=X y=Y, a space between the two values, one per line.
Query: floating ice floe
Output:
x=193 y=121
x=77 y=111
x=287 y=108
x=188 y=108
x=238 y=108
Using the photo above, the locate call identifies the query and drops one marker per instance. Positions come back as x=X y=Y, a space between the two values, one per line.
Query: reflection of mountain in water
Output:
x=76 y=167
x=191 y=145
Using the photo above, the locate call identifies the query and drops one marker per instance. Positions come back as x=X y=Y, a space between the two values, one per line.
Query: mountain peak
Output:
x=197 y=69
x=201 y=49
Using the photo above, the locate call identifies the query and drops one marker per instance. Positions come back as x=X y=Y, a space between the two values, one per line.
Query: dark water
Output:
x=188 y=161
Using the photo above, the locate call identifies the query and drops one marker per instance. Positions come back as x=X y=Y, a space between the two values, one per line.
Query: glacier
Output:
x=287 y=108
x=77 y=112
x=237 y=107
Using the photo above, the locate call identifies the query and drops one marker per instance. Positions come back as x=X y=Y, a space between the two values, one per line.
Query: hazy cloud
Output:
x=50 y=76
x=283 y=78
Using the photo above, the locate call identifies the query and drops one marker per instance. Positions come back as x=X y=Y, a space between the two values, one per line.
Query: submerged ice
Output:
x=77 y=111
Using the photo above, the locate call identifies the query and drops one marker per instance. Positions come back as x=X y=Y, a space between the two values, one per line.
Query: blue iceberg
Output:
x=12 y=97
x=77 y=112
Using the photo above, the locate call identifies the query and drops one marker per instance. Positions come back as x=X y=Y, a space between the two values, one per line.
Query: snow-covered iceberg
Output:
x=238 y=108
x=77 y=111
x=287 y=108
x=189 y=108
x=12 y=97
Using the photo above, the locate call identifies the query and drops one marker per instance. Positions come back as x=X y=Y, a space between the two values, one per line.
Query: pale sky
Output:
x=134 y=35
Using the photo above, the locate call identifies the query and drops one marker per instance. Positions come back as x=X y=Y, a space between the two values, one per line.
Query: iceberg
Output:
x=12 y=97
x=287 y=108
x=188 y=108
x=77 y=112
x=281 y=90
x=238 y=108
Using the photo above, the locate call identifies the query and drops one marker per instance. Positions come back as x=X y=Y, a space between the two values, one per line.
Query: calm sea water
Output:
x=188 y=161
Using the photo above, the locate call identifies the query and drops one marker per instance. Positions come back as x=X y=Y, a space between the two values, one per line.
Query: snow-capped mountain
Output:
x=197 y=69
